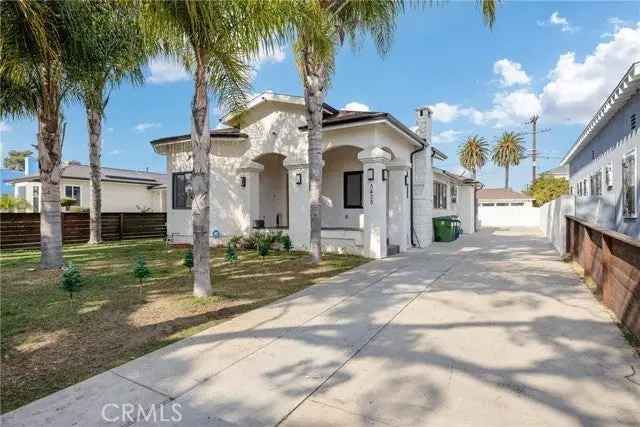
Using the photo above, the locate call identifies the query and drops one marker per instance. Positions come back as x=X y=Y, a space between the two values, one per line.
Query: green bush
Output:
x=140 y=270
x=188 y=259
x=71 y=280
x=67 y=202
x=230 y=253
x=264 y=245
x=285 y=241
x=235 y=241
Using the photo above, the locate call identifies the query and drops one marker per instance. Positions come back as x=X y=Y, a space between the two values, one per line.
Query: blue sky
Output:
x=557 y=59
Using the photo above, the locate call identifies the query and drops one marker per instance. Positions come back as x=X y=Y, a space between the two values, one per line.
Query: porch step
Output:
x=393 y=250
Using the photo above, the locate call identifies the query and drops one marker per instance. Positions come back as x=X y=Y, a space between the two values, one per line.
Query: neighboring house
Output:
x=371 y=201
x=603 y=162
x=453 y=195
x=503 y=197
x=6 y=175
x=561 y=171
x=123 y=190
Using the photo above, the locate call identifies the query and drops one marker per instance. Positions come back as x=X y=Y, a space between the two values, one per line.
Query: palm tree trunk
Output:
x=50 y=162
x=94 y=122
x=506 y=176
x=314 y=98
x=200 y=142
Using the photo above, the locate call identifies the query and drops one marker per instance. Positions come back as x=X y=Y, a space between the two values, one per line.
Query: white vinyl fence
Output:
x=508 y=216
x=553 y=221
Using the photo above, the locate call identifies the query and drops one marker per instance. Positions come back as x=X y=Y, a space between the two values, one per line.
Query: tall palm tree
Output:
x=38 y=41
x=215 y=40
x=508 y=152
x=473 y=155
x=118 y=52
x=321 y=27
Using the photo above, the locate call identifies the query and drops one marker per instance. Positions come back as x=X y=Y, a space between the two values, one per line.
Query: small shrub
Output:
x=140 y=270
x=188 y=259
x=70 y=281
x=285 y=241
x=250 y=241
x=230 y=253
x=264 y=245
x=67 y=202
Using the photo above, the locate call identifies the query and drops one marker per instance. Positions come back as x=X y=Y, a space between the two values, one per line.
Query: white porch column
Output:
x=399 y=227
x=299 y=213
x=374 y=202
x=250 y=192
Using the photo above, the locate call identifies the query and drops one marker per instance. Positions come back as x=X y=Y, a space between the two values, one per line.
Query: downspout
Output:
x=423 y=146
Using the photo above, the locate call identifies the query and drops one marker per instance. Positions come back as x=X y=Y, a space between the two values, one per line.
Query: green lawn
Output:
x=48 y=343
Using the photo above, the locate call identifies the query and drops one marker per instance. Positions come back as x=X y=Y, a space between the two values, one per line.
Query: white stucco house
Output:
x=123 y=190
x=378 y=178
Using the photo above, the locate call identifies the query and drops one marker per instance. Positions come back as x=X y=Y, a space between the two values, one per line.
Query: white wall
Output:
x=553 y=221
x=336 y=162
x=508 y=216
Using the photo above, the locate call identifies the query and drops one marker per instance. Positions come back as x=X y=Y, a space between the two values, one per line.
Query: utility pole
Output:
x=534 y=123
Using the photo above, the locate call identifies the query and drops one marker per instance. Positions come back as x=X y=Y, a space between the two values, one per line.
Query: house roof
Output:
x=83 y=172
x=274 y=97
x=558 y=170
x=501 y=194
x=460 y=178
x=344 y=117
x=224 y=133
x=628 y=86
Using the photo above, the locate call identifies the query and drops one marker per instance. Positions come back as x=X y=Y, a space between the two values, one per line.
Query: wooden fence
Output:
x=612 y=261
x=22 y=230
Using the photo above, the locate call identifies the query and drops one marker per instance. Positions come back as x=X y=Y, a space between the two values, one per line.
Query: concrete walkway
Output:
x=491 y=330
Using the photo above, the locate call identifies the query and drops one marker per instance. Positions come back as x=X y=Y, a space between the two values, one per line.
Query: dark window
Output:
x=629 y=202
x=517 y=204
x=633 y=121
x=502 y=204
x=353 y=190
x=72 y=192
x=182 y=190
x=454 y=194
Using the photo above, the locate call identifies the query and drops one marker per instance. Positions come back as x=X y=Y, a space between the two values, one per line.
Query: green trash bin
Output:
x=444 y=229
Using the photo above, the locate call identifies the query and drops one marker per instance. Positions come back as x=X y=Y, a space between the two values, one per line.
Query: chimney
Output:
x=423 y=120
x=30 y=166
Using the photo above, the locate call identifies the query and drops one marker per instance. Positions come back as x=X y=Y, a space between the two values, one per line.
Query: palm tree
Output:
x=215 y=40
x=508 y=152
x=118 y=52
x=321 y=27
x=473 y=155
x=38 y=41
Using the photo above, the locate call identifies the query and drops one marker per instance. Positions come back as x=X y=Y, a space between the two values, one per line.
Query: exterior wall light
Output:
x=385 y=174
x=370 y=174
x=298 y=178
x=406 y=179
x=243 y=181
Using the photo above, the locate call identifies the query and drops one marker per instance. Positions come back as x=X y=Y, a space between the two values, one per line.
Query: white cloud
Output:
x=560 y=21
x=446 y=137
x=273 y=56
x=617 y=24
x=4 y=127
x=511 y=73
x=443 y=112
x=145 y=126
x=166 y=70
x=114 y=152
x=576 y=89
x=356 y=106
x=110 y=129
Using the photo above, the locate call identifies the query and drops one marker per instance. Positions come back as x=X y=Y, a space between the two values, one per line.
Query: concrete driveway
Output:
x=491 y=330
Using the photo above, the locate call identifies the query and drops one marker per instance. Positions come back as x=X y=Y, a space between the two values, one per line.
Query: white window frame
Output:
x=597 y=183
x=453 y=193
x=440 y=197
x=635 y=184
x=608 y=177
x=72 y=187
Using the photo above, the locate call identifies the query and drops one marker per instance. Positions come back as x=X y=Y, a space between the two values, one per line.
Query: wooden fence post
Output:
x=121 y=225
